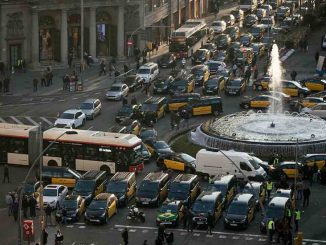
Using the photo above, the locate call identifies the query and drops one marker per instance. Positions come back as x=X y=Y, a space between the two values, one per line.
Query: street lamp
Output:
x=81 y=40
x=39 y=157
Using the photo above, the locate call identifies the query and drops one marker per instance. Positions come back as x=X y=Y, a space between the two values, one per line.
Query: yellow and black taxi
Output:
x=132 y=126
x=259 y=49
x=321 y=94
x=214 y=85
x=227 y=185
x=262 y=83
x=101 y=209
x=276 y=210
x=183 y=84
x=74 y=206
x=310 y=101
x=154 y=108
x=286 y=170
x=214 y=66
x=60 y=176
x=201 y=74
x=241 y=211
x=294 y=89
x=207 y=203
x=123 y=186
x=185 y=188
x=158 y=148
x=200 y=56
x=170 y=213
x=246 y=39
x=222 y=41
x=91 y=184
x=235 y=86
x=153 y=189
x=177 y=161
x=259 y=102
x=206 y=105
x=311 y=159
x=258 y=189
x=162 y=85
x=126 y=111
x=179 y=100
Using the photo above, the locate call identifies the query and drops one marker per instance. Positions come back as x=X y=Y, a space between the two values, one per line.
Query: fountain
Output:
x=265 y=133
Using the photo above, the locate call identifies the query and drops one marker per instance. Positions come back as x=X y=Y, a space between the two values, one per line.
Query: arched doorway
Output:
x=106 y=33
x=49 y=36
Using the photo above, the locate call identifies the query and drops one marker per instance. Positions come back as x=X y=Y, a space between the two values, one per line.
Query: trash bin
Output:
x=79 y=86
x=72 y=86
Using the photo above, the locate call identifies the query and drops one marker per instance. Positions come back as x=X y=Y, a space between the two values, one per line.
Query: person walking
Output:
x=234 y=69
x=311 y=175
x=6 y=173
x=190 y=222
x=297 y=218
x=170 y=238
x=25 y=204
x=315 y=173
x=32 y=206
x=64 y=215
x=9 y=202
x=210 y=223
x=48 y=214
x=125 y=236
x=293 y=75
x=288 y=215
x=271 y=229
x=279 y=230
x=58 y=238
x=15 y=208
x=161 y=232
x=110 y=68
x=316 y=57
x=185 y=216
x=306 y=195
x=299 y=188
x=102 y=68
x=177 y=120
x=269 y=188
x=35 y=83
x=6 y=83
x=45 y=235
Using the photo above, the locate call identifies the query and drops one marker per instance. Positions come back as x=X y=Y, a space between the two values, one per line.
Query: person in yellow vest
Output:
x=210 y=179
x=271 y=229
x=276 y=161
x=297 y=217
x=288 y=215
x=269 y=188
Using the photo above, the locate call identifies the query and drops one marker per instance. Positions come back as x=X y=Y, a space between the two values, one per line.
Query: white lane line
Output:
x=222 y=236
x=196 y=234
x=75 y=98
x=208 y=235
x=262 y=240
x=2 y=120
x=144 y=231
x=16 y=120
x=313 y=240
x=46 y=120
x=32 y=121
x=236 y=237
x=248 y=238
x=132 y=230
x=80 y=223
x=61 y=100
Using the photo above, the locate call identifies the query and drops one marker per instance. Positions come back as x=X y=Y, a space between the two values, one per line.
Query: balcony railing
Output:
x=156 y=15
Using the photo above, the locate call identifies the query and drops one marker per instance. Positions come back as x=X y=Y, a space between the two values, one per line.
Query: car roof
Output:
x=72 y=111
x=242 y=198
x=208 y=196
x=148 y=65
x=103 y=196
x=278 y=201
x=185 y=178
x=117 y=84
x=155 y=176
x=121 y=176
x=223 y=179
x=254 y=184
x=55 y=187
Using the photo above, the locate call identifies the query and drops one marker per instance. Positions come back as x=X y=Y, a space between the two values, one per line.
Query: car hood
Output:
x=87 y=112
x=235 y=217
x=95 y=212
x=63 y=121
x=49 y=199
x=167 y=216
x=232 y=87
x=113 y=93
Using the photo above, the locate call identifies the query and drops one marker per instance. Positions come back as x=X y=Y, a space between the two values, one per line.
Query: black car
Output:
x=233 y=32
x=134 y=82
x=75 y=207
x=211 y=47
x=126 y=111
x=147 y=134
x=246 y=39
x=282 y=12
x=235 y=86
x=222 y=56
x=257 y=31
x=250 y=20
x=214 y=85
x=162 y=85
x=158 y=148
x=222 y=41
x=185 y=84
x=167 y=60
x=200 y=56
x=201 y=74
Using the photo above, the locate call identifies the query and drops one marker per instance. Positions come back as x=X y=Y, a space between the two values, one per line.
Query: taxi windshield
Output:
x=98 y=204
x=237 y=209
x=197 y=71
x=203 y=207
x=50 y=192
x=116 y=187
x=85 y=186
x=217 y=187
x=86 y=106
x=169 y=208
x=255 y=162
x=70 y=204
x=274 y=212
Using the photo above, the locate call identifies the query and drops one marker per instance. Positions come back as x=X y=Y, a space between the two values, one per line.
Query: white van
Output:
x=148 y=72
x=210 y=162
x=218 y=26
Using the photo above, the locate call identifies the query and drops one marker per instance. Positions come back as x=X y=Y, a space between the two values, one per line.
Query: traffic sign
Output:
x=28 y=230
x=130 y=43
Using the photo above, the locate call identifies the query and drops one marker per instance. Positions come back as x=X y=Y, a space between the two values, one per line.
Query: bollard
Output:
x=298 y=239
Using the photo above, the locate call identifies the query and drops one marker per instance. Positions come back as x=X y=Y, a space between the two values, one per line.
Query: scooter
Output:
x=135 y=214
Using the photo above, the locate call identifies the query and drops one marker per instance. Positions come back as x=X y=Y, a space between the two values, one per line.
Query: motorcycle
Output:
x=135 y=214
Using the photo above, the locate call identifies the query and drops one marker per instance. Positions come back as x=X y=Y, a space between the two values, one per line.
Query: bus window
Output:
x=105 y=154
x=53 y=151
x=91 y=153
x=18 y=146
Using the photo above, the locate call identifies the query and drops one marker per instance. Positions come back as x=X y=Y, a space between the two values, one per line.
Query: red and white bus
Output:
x=83 y=151
x=184 y=39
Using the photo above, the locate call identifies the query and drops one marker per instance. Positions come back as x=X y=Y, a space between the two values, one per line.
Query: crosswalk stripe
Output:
x=32 y=121
x=46 y=120
x=2 y=120
x=16 y=120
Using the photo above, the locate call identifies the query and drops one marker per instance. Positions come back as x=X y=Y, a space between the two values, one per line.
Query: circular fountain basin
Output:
x=264 y=133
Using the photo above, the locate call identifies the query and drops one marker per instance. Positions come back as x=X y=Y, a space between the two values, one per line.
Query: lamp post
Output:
x=37 y=159
x=81 y=40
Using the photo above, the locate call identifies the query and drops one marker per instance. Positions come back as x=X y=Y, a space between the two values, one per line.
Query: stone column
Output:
x=187 y=9
x=92 y=32
x=200 y=11
x=35 y=39
x=121 y=32
x=179 y=13
x=64 y=37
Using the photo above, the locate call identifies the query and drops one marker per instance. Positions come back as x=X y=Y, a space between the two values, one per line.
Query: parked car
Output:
x=117 y=91
x=53 y=195
x=73 y=118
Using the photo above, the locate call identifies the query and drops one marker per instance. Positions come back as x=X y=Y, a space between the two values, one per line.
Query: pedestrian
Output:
x=172 y=119
x=5 y=173
x=305 y=170
x=279 y=230
x=316 y=57
x=183 y=62
x=305 y=45
x=185 y=216
x=146 y=88
x=25 y=204
x=58 y=238
x=125 y=237
x=49 y=76
x=158 y=242
x=271 y=229
x=190 y=222
x=45 y=236
x=301 y=44
x=170 y=238
x=133 y=100
x=48 y=214
x=124 y=101
x=234 y=69
x=311 y=175
x=306 y=195
x=315 y=173
x=32 y=206
x=269 y=188
x=110 y=68
x=247 y=75
x=288 y=214
x=102 y=68
x=9 y=202
x=15 y=208
x=174 y=64
x=293 y=75
x=161 y=232
x=297 y=218
x=299 y=188
x=64 y=215
x=70 y=58
x=289 y=237
x=35 y=82
x=125 y=68
x=145 y=242
x=210 y=223
x=177 y=120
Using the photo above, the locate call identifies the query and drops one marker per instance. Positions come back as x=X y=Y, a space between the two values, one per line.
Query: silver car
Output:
x=117 y=91
x=91 y=108
x=318 y=110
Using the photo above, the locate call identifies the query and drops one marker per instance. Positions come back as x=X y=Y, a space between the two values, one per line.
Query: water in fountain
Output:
x=275 y=71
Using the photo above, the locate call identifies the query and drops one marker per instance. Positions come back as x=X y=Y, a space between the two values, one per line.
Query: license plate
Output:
x=233 y=224
x=145 y=202
x=94 y=220
x=200 y=223
x=159 y=90
x=232 y=92
x=166 y=223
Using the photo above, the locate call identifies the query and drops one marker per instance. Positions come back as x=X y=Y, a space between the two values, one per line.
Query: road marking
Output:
x=16 y=120
x=132 y=230
x=32 y=121
x=2 y=120
x=313 y=240
x=98 y=93
x=235 y=237
x=222 y=236
x=75 y=98
x=183 y=233
x=82 y=227
x=46 y=120
x=69 y=226
x=262 y=240
x=61 y=100
x=144 y=231
x=196 y=234
x=248 y=238
x=208 y=235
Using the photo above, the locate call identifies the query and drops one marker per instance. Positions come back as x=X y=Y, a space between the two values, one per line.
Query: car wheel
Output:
x=216 y=113
x=73 y=126
x=260 y=88
x=93 y=116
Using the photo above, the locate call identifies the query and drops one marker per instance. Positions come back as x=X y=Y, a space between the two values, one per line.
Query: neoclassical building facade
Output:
x=45 y=31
